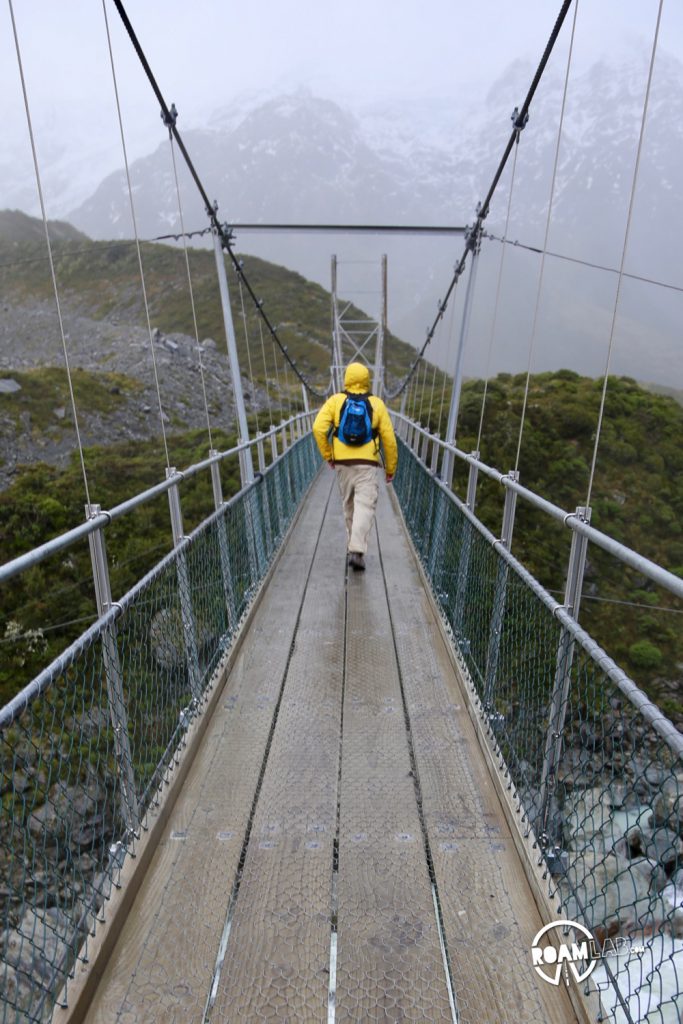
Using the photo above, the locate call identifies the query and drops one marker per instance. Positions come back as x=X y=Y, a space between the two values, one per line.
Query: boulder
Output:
x=616 y=898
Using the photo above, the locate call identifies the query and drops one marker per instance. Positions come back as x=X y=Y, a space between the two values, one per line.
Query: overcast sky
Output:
x=208 y=52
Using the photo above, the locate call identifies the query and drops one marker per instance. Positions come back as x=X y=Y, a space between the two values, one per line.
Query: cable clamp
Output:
x=170 y=118
x=118 y=606
x=519 y=123
x=102 y=512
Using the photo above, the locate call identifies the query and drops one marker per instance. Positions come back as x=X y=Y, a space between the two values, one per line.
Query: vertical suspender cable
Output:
x=624 y=249
x=496 y=305
x=449 y=342
x=423 y=363
x=135 y=230
x=547 y=232
x=265 y=375
x=189 y=283
x=49 y=251
x=431 y=396
x=248 y=347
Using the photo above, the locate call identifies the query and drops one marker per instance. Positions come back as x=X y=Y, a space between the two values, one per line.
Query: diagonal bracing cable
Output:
x=505 y=241
x=222 y=230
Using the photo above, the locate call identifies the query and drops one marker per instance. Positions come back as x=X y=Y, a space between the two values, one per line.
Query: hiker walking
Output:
x=356 y=423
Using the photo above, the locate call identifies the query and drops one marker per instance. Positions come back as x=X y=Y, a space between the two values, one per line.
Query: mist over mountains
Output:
x=301 y=158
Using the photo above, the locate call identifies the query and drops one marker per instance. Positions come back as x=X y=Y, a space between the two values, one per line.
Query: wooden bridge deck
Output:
x=337 y=799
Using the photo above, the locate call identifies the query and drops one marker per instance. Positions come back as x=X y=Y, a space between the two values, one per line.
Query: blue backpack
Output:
x=355 y=421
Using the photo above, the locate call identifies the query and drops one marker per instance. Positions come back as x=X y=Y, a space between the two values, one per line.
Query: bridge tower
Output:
x=358 y=334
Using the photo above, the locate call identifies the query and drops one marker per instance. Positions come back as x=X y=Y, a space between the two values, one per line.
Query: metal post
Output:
x=246 y=464
x=223 y=549
x=261 y=453
x=337 y=366
x=500 y=594
x=307 y=407
x=424 y=447
x=186 y=609
x=447 y=470
x=273 y=445
x=278 y=473
x=472 y=484
x=283 y=435
x=563 y=670
x=114 y=676
x=435 y=453
x=462 y=580
x=404 y=400
x=264 y=484
x=378 y=373
x=436 y=519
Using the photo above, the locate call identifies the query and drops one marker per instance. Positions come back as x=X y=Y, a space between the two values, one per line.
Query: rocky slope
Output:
x=36 y=419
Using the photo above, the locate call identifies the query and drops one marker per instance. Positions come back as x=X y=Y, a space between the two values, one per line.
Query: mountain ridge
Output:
x=300 y=158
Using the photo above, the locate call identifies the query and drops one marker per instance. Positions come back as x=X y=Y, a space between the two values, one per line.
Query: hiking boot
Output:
x=357 y=561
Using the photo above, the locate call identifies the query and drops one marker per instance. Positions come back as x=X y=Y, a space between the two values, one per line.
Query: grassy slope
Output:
x=637 y=498
x=638 y=491
x=101 y=280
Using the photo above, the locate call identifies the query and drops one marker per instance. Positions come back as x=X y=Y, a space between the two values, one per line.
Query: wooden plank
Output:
x=389 y=963
x=278 y=955
x=161 y=969
x=489 y=913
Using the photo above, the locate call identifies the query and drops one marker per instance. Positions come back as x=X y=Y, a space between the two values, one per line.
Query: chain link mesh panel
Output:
x=84 y=748
x=596 y=768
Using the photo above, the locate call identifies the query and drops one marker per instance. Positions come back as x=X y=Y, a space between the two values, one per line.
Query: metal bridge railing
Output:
x=85 y=747
x=596 y=768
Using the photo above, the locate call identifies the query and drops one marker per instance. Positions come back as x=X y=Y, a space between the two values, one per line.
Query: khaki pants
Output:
x=359 y=489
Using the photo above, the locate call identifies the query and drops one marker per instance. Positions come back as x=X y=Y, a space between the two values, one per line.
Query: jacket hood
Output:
x=357 y=378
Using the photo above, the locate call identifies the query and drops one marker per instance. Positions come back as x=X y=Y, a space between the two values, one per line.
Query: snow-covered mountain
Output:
x=299 y=158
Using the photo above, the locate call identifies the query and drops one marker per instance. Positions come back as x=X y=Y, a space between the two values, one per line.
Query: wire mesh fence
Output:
x=596 y=768
x=85 y=747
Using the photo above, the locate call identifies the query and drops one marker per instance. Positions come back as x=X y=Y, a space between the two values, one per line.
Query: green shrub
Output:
x=645 y=655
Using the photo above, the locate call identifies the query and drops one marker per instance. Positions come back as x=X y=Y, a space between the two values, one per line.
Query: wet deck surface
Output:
x=339 y=801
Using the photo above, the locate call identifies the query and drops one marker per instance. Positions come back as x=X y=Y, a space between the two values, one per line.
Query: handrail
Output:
x=648 y=709
x=65 y=540
x=624 y=554
x=95 y=630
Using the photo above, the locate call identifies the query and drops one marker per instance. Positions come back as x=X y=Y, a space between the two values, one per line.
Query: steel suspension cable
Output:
x=135 y=231
x=473 y=235
x=548 y=220
x=496 y=304
x=189 y=282
x=53 y=275
x=211 y=208
x=624 y=250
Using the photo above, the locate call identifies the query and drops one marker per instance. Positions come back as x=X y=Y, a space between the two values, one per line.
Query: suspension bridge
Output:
x=259 y=787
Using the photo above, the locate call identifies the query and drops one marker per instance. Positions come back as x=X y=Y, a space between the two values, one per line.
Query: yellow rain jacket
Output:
x=356 y=381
